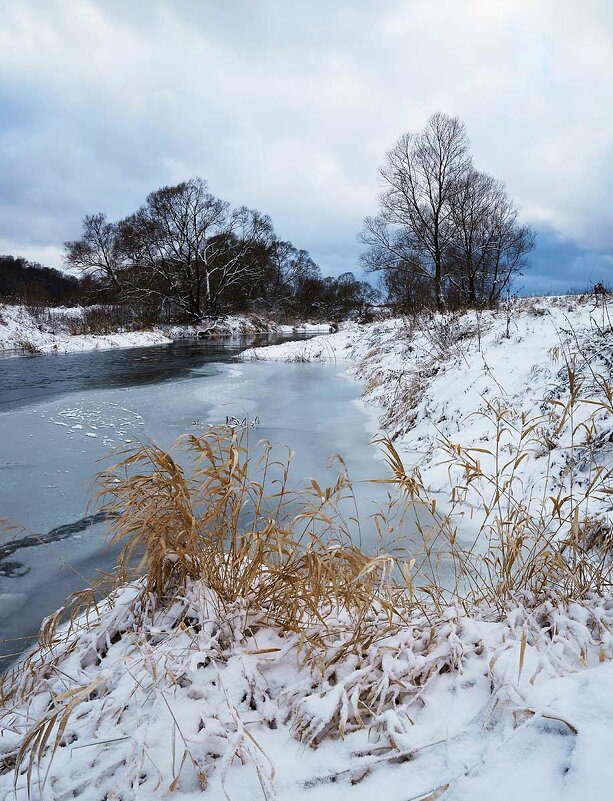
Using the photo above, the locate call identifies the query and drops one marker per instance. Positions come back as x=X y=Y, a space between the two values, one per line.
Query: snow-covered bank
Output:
x=20 y=331
x=52 y=330
x=201 y=698
x=324 y=347
x=227 y=326
x=474 y=381
x=242 y=325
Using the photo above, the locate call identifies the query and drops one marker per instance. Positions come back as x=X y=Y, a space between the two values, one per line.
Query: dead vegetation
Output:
x=222 y=559
x=228 y=570
x=28 y=347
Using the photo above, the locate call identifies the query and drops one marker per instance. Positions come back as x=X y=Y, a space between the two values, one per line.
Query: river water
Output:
x=61 y=416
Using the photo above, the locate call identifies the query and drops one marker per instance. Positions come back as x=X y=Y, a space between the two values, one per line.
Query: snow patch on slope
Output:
x=197 y=695
x=19 y=331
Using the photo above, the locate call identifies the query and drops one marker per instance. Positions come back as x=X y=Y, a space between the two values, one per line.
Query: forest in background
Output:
x=446 y=236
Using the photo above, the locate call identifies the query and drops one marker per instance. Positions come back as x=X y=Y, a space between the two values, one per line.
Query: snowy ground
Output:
x=20 y=331
x=490 y=704
x=201 y=698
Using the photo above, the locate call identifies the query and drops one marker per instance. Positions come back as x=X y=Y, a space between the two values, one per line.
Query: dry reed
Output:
x=211 y=516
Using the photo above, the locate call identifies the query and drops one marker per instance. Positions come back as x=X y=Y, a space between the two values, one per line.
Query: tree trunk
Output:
x=438 y=284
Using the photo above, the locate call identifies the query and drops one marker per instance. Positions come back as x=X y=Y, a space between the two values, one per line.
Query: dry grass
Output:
x=239 y=528
x=212 y=516
x=28 y=347
x=208 y=512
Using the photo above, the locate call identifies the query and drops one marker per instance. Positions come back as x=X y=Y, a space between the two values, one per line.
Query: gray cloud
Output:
x=289 y=107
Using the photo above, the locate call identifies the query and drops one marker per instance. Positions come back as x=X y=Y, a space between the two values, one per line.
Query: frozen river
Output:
x=61 y=415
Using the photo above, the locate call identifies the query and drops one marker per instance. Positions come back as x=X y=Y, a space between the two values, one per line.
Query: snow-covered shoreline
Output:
x=242 y=325
x=507 y=698
x=21 y=332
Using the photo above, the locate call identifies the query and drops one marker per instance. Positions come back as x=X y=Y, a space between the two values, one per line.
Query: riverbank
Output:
x=275 y=658
x=31 y=330
x=202 y=698
x=460 y=389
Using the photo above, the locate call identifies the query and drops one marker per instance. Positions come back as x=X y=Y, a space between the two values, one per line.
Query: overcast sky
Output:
x=288 y=106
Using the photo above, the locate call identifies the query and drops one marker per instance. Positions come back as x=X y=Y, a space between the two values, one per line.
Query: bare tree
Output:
x=511 y=244
x=419 y=176
x=391 y=251
x=474 y=196
x=286 y=267
x=99 y=252
x=188 y=247
x=443 y=222
x=186 y=253
x=489 y=246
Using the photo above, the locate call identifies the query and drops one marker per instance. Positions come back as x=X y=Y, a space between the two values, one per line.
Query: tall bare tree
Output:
x=191 y=246
x=419 y=177
x=443 y=222
x=99 y=252
x=489 y=246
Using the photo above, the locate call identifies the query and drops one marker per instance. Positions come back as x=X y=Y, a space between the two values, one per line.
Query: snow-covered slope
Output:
x=20 y=331
x=198 y=699
x=479 y=382
x=319 y=348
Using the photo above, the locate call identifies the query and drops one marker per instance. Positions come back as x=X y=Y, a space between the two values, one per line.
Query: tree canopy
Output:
x=445 y=232
x=186 y=254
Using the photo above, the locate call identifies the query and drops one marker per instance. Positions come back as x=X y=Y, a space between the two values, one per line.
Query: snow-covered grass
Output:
x=263 y=653
x=167 y=700
x=226 y=326
x=307 y=328
x=23 y=331
x=54 y=330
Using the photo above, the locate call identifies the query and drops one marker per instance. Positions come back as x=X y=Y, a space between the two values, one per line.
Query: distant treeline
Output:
x=186 y=254
x=22 y=281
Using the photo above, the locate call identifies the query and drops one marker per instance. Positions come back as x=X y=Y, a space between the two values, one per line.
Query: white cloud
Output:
x=289 y=107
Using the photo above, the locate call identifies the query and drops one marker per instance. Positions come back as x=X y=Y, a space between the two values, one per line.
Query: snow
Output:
x=435 y=383
x=319 y=348
x=20 y=331
x=241 y=325
x=462 y=705
x=306 y=328
x=198 y=694
x=228 y=325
